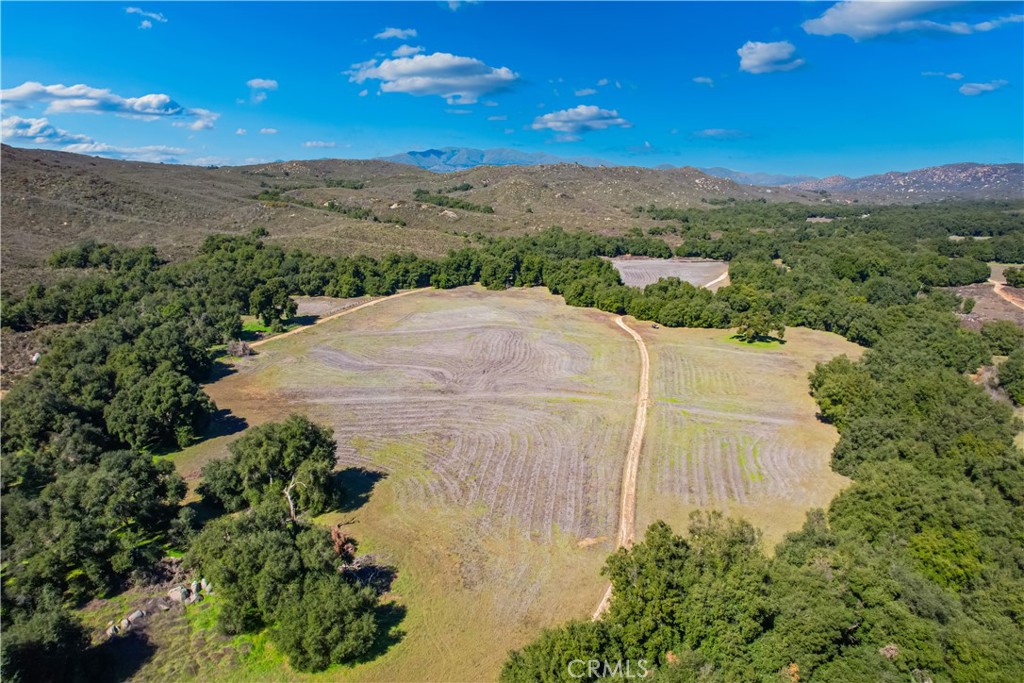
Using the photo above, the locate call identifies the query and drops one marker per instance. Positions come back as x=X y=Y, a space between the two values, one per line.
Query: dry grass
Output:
x=499 y=422
x=733 y=427
x=639 y=271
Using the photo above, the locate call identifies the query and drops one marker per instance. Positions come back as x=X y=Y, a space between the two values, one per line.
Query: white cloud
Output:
x=152 y=153
x=861 y=20
x=585 y=92
x=268 y=131
x=240 y=131
x=720 y=134
x=603 y=82
x=38 y=131
x=262 y=83
x=460 y=80
x=364 y=92
x=146 y=23
x=510 y=131
x=319 y=143
x=454 y=5
x=704 y=80
x=497 y=118
x=490 y=103
x=972 y=89
x=83 y=99
x=400 y=33
x=571 y=123
x=762 y=58
x=258 y=88
x=459 y=111
x=406 y=51
x=42 y=132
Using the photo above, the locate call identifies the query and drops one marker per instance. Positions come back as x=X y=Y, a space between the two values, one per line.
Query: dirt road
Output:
x=1000 y=289
x=627 y=503
x=320 y=321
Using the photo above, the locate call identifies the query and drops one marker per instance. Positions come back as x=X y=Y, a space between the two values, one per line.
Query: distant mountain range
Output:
x=960 y=181
x=952 y=181
x=448 y=159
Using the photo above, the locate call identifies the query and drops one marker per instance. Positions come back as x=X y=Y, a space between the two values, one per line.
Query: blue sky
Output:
x=811 y=87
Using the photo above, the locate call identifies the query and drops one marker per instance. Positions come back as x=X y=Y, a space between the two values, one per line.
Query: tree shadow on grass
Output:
x=355 y=485
x=120 y=657
x=224 y=423
x=763 y=339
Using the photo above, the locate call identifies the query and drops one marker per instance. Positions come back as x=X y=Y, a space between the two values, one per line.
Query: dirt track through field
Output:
x=627 y=504
x=346 y=311
x=1000 y=290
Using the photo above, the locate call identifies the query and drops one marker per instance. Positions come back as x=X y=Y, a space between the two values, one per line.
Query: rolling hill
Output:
x=51 y=199
x=952 y=181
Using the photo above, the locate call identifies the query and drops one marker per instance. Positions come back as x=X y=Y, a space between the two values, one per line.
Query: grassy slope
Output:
x=473 y=585
x=721 y=414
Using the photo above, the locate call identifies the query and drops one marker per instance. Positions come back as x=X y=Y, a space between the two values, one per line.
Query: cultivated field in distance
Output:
x=732 y=427
x=640 y=271
x=492 y=429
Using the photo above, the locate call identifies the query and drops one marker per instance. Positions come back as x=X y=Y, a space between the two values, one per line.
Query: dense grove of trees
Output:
x=921 y=553
x=1014 y=276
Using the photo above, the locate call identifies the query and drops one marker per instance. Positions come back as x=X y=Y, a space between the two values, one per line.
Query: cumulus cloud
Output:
x=40 y=131
x=400 y=33
x=571 y=123
x=268 y=131
x=240 y=131
x=720 y=134
x=956 y=76
x=460 y=80
x=973 y=89
x=704 y=80
x=459 y=111
x=862 y=20
x=762 y=58
x=258 y=88
x=147 y=16
x=603 y=82
x=585 y=92
x=406 y=51
x=364 y=92
x=454 y=5
x=497 y=118
x=83 y=99
x=319 y=143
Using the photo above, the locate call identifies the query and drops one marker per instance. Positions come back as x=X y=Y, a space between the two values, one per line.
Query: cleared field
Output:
x=497 y=424
x=732 y=427
x=640 y=271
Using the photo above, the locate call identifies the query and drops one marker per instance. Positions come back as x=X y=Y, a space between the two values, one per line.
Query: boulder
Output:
x=124 y=625
x=136 y=615
x=178 y=594
x=205 y=585
x=112 y=630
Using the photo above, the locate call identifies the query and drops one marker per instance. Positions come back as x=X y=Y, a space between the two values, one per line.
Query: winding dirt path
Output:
x=627 y=503
x=346 y=311
x=1000 y=288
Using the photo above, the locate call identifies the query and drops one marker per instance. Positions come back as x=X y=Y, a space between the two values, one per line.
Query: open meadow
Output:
x=481 y=439
x=640 y=271
x=491 y=429
x=732 y=427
